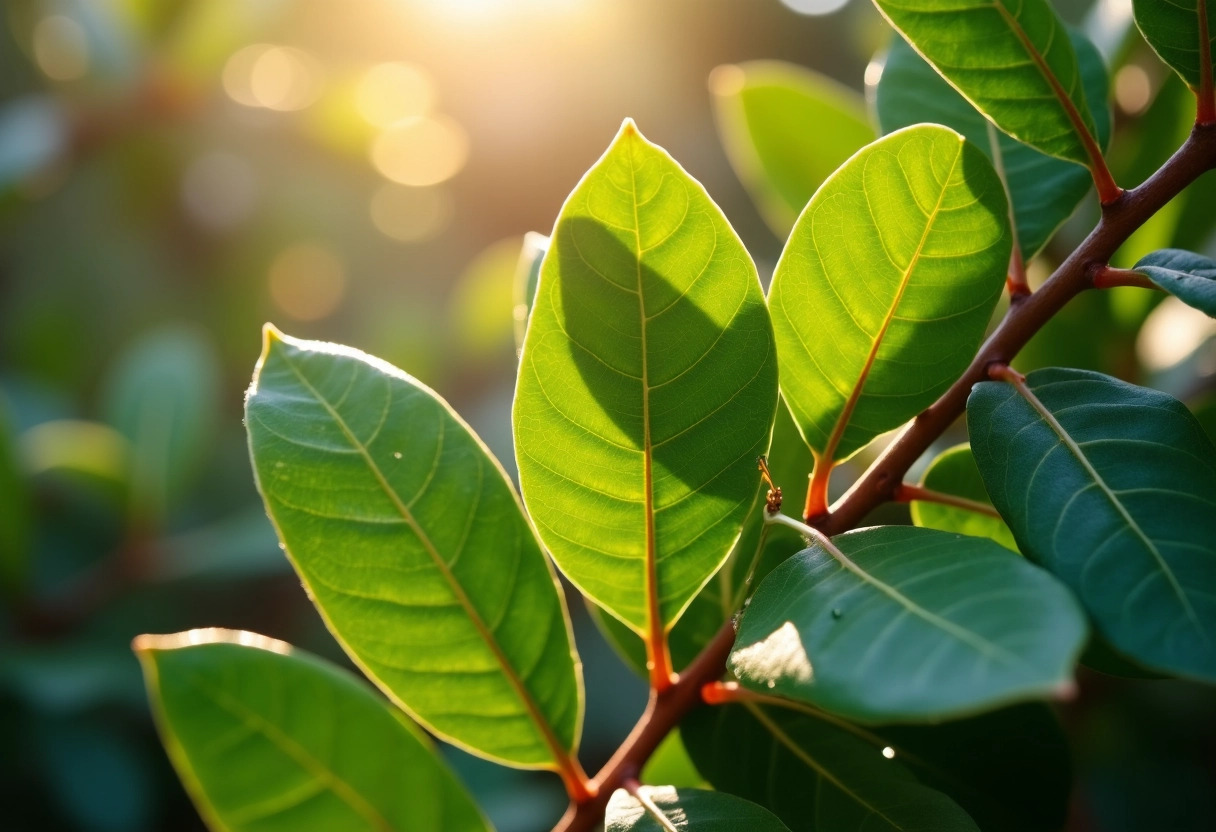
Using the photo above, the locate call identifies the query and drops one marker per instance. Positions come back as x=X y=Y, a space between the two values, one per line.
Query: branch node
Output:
x=1000 y=371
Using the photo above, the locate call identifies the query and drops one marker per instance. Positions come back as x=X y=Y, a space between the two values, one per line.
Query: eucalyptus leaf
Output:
x=886 y=285
x=411 y=543
x=1112 y=487
x=1043 y=189
x=908 y=624
x=1172 y=28
x=665 y=808
x=785 y=129
x=816 y=774
x=954 y=472
x=1187 y=276
x=647 y=387
x=268 y=738
x=1011 y=59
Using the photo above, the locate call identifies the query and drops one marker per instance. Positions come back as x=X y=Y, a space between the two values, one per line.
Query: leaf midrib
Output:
x=343 y=790
x=1072 y=447
x=508 y=670
x=846 y=413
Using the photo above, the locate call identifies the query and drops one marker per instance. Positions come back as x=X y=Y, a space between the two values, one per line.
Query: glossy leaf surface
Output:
x=912 y=624
x=785 y=130
x=1187 y=276
x=1011 y=59
x=664 y=808
x=815 y=774
x=413 y=546
x=886 y=285
x=954 y=472
x=267 y=738
x=1044 y=189
x=647 y=386
x=1113 y=488
x=1171 y=27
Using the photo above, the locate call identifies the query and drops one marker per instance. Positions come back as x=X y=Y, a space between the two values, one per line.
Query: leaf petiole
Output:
x=907 y=492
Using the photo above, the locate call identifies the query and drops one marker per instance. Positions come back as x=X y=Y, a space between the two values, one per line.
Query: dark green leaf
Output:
x=1171 y=27
x=1113 y=488
x=412 y=544
x=954 y=472
x=1188 y=276
x=15 y=519
x=815 y=773
x=785 y=129
x=886 y=285
x=664 y=809
x=1044 y=190
x=646 y=389
x=267 y=738
x=1011 y=59
x=908 y=624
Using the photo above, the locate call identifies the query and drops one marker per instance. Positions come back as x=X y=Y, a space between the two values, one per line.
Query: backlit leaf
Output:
x=647 y=387
x=1172 y=28
x=954 y=472
x=908 y=624
x=412 y=544
x=1112 y=487
x=886 y=285
x=268 y=738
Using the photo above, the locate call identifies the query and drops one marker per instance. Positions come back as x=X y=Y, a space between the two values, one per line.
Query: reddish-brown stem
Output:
x=1206 y=111
x=1015 y=281
x=1108 y=277
x=907 y=492
x=817 y=491
x=880 y=482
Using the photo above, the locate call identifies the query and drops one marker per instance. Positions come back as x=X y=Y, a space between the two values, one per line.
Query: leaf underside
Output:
x=1187 y=276
x=1116 y=495
x=1171 y=28
x=414 y=548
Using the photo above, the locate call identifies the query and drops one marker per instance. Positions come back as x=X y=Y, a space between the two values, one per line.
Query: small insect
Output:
x=772 y=501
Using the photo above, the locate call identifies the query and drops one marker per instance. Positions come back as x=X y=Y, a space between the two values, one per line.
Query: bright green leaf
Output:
x=1188 y=276
x=647 y=387
x=908 y=624
x=268 y=738
x=670 y=764
x=886 y=285
x=1172 y=28
x=954 y=472
x=1113 y=488
x=1011 y=59
x=412 y=544
x=664 y=808
x=785 y=129
x=815 y=773
x=1044 y=190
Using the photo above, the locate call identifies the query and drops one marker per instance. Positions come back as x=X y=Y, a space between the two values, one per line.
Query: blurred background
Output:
x=173 y=173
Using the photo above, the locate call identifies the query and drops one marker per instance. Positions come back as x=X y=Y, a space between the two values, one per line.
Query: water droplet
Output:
x=889 y=753
x=396 y=454
x=772 y=683
x=836 y=613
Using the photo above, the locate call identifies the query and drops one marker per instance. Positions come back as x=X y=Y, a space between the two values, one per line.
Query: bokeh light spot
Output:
x=1172 y=332
x=814 y=7
x=1133 y=89
x=390 y=92
x=220 y=190
x=411 y=215
x=278 y=78
x=61 y=48
x=421 y=151
x=307 y=281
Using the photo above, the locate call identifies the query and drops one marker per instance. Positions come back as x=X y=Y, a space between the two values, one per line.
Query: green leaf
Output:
x=527 y=276
x=908 y=624
x=954 y=472
x=671 y=765
x=1044 y=190
x=647 y=387
x=816 y=774
x=1009 y=769
x=1187 y=276
x=1113 y=488
x=15 y=517
x=668 y=809
x=1172 y=28
x=785 y=129
x=886 y=285
x=266 y=738
x=410 y=541
x=1011 y=59
x=161 y=396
